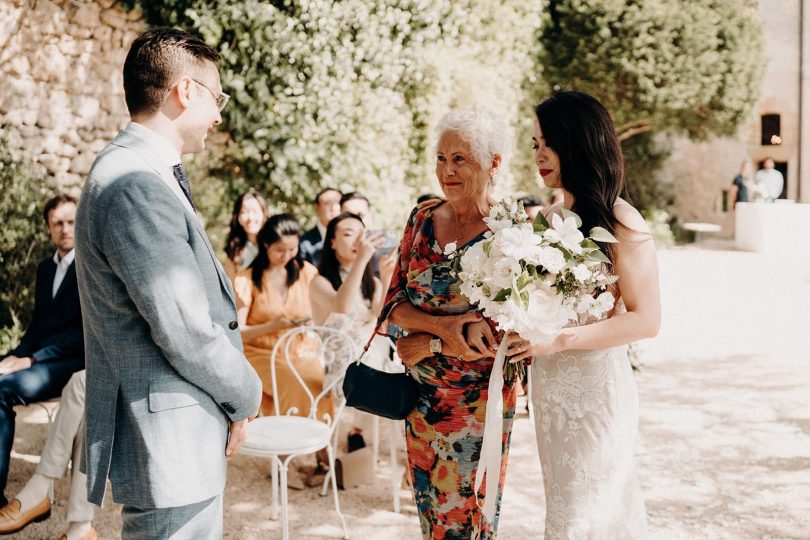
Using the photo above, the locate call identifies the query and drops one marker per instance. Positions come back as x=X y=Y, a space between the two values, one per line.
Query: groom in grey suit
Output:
x=169 y=391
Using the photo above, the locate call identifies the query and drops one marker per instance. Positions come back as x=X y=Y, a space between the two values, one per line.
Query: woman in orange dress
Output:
x=272 y=296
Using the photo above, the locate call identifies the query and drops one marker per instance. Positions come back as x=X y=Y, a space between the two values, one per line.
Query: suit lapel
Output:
x=70 y=276
x=50 y=274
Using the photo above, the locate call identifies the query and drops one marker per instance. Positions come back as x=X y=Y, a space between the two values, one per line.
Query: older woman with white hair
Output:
x=449 y=347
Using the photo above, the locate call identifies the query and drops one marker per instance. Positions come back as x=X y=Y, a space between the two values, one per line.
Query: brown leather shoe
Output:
x=92 y=534
x=12 y=520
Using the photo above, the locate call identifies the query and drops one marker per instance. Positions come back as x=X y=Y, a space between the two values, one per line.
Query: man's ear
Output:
x=182 y=90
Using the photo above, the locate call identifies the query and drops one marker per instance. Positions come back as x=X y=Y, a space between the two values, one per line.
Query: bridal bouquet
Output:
x=533 y=279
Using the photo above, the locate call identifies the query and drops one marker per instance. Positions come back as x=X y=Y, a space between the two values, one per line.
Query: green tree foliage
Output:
x=657 y=65
x=23 y=240
x=347 y=93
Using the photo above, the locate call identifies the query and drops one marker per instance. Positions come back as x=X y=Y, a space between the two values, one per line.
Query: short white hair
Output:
x=487 y=134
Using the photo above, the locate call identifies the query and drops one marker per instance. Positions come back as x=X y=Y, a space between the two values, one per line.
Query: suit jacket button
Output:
x=233 y=325
x=227 y=407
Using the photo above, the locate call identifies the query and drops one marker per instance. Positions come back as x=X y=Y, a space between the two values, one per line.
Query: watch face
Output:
x=435 y=345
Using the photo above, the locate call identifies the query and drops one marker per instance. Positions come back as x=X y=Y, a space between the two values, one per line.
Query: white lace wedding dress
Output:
x=586 y=421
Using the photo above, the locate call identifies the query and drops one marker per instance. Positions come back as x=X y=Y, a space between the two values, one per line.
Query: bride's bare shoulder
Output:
x=631 y=222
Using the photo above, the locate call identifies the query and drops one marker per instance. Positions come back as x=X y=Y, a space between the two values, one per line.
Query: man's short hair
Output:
x=354 y=195
x=317 y=198
x=53 y=202
x=154 y=62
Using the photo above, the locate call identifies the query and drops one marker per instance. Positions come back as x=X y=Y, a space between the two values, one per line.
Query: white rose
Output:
x=581 y=272
x=552 y=259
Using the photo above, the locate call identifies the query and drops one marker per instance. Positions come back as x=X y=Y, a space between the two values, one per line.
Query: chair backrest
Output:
x=334 y=349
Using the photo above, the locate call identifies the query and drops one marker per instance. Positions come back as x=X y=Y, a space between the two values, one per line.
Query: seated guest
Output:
x=249 y=214
x=272 y=296
x=52 y=348
x=356 y=203
x=64 y=444
x=327 y=206
x=346 y=295
x=532 y=204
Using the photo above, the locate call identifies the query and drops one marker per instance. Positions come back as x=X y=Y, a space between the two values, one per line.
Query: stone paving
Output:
x=725 y=424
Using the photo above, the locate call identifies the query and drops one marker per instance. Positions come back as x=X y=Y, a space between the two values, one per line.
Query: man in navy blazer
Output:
x=52 y=348
x=327 y=206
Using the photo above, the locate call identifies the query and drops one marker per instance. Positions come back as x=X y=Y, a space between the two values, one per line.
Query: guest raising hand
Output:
x=272 y=296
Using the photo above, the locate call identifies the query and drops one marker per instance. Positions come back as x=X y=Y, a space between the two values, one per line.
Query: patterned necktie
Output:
x=182 y=179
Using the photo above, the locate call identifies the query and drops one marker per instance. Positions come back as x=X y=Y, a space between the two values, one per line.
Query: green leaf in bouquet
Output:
x=487 y=248
x=588 y=245
x=568 y=213
x=600 y=234
x=524 y=280
x=502 y=295
x=597 y=256
x=540 y=223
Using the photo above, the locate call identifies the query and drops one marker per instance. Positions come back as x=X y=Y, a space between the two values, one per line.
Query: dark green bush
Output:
x=23 y=239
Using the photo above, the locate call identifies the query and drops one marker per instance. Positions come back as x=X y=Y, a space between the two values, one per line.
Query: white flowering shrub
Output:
x=348 y=93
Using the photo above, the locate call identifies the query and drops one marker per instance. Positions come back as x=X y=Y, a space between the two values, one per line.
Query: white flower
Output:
x=595 y=307
x=519 y=242
x=552 y=259
x=496 y=224
x=474 y=258
x=565 y=232
x=581 y=272
x=450 y=248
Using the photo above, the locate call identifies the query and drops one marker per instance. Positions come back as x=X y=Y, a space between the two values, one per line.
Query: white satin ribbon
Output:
x=492 y=445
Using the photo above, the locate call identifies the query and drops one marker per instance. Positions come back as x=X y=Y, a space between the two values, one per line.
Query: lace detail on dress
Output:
x=586 y=412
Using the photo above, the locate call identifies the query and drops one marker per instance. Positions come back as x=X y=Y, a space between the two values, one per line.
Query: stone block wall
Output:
x=61 y=88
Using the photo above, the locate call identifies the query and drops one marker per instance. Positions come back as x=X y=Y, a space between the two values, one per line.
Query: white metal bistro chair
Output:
x=283 y=437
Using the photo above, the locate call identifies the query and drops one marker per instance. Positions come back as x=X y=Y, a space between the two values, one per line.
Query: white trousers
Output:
x=64 y=445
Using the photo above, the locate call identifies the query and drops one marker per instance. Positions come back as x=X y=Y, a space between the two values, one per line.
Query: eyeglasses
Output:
x=221 y=99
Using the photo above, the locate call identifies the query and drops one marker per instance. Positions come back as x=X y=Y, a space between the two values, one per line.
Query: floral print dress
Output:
x=445 y=430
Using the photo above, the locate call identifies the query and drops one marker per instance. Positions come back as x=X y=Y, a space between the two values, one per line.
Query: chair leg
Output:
x=274 y=473
x=285 y=529
x=395 y=480
x=335 y=492
x=325 y=485
x=375 y=441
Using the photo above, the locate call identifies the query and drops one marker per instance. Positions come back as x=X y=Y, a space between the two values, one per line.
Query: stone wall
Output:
x=61 y=89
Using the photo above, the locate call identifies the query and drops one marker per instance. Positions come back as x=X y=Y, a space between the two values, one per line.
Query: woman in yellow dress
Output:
x=272 y=296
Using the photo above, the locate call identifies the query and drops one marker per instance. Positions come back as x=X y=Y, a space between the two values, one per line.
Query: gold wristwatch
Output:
x=435 y=345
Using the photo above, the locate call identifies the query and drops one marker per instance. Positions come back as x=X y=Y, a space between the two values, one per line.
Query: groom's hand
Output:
x=237 y=432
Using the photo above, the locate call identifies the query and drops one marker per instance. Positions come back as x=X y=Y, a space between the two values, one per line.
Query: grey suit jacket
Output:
x=165 y=367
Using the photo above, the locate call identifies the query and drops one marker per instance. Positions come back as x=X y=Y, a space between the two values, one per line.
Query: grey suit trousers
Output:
x=198 y=521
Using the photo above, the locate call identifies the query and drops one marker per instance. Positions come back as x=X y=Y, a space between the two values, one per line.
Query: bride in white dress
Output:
x=584 y=395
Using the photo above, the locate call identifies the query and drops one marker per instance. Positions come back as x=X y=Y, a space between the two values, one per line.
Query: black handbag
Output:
x=390 y=395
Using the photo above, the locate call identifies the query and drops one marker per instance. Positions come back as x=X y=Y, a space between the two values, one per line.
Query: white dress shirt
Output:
x=168 y=156
x=773 y=181
x=62 y=266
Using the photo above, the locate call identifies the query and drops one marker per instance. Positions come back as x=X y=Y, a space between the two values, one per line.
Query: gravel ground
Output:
x=725 y=424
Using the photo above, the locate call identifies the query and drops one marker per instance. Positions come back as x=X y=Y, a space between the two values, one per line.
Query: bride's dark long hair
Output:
x=580 y=130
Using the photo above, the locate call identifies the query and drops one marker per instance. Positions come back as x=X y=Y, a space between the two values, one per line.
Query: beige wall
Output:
x=61 y=86
x=700 y=171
